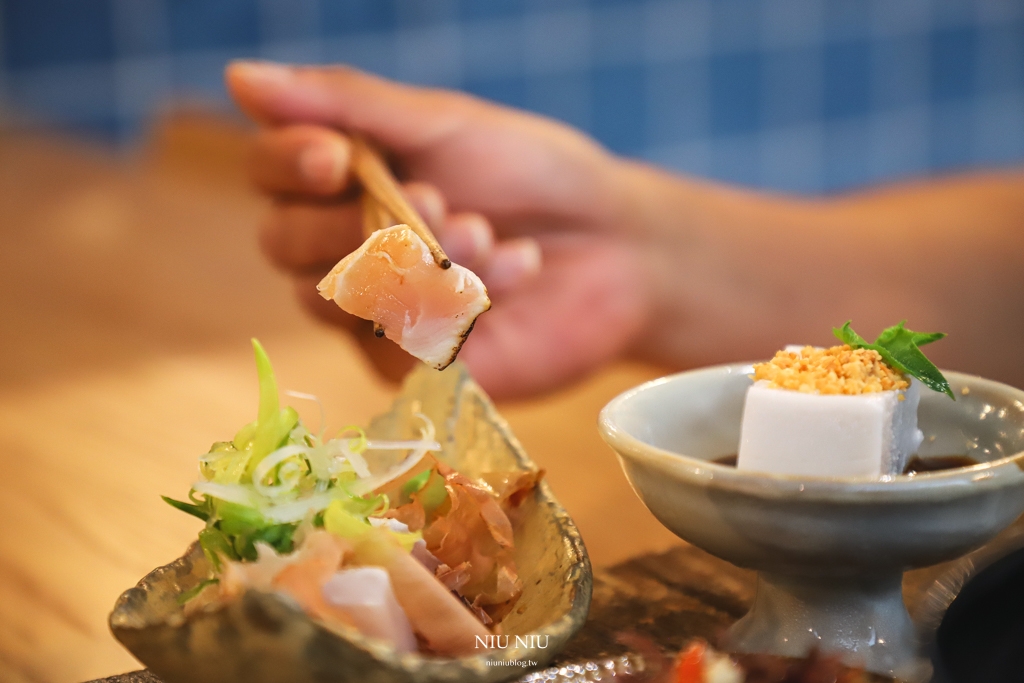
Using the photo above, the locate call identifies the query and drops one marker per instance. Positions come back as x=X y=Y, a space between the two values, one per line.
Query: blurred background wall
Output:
x=802 y=95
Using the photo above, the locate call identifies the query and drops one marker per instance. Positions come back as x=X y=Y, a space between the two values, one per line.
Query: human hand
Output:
x=537 y=209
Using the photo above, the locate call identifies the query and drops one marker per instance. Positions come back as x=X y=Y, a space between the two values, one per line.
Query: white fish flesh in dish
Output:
x=393 y=280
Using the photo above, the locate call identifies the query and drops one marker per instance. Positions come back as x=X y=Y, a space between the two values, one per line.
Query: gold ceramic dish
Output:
x=266 y=638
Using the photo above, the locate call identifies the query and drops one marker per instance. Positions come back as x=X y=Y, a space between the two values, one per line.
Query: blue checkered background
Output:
x=802 y=95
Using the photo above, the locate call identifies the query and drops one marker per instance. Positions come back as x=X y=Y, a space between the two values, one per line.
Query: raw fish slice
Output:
x=365 y=594
x=301 y=576
x=393 y=280
x=441 y=619
x=317 y=560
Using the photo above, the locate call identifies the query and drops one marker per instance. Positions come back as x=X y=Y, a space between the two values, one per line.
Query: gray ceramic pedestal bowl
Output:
x=830 y=552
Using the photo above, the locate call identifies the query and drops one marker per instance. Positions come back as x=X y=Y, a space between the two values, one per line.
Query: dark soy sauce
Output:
x=937 y=463
x=916 y=465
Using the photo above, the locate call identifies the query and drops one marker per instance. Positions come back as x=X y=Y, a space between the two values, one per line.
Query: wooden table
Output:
x=129 y=287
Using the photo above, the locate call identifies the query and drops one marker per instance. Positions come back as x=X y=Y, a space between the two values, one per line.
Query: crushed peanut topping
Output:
x=836 y=370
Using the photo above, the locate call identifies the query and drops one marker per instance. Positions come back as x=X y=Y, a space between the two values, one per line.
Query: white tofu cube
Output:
x=365 y=594
x=828 y=435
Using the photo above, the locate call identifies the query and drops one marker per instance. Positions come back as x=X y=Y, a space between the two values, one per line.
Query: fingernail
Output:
x=467 y=239
x=428 y=201
x=514 y=262
x=434 y=206
x=323 y=164
x=481 y=235
x=529 y=256
x=263 y=73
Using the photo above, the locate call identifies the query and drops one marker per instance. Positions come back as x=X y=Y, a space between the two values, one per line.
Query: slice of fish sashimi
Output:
x=393 y=280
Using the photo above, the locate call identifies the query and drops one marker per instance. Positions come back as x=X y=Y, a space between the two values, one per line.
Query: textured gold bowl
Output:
x=266 y=638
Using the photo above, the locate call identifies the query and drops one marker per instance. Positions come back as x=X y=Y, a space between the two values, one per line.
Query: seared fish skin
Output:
x=392 y=279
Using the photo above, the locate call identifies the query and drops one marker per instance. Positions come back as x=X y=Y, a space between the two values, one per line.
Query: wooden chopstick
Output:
x=375 y=216
x=378 y=182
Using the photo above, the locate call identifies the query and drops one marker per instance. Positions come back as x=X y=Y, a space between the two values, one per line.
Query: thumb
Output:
x=400 y=117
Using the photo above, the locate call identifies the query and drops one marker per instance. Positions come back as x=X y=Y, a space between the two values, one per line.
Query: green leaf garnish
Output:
x=273 y=423
x=433 y=494
x=277 y=536
x=196 y=590
x=416 y=483
x=202 y=512
x=217 y=547
x=243 y=527
x=898 y=347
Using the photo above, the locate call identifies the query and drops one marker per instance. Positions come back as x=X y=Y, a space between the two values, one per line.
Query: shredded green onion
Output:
x=275 y=476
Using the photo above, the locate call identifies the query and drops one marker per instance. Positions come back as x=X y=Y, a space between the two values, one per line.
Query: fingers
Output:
x=402 y=118
x=301 y=160
x=309 y=238
x=588 y=308
x=467 y=238
x=546 y=332
x=313 y=161
x=428 y=202
x=302 y=237
x=512 y=264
